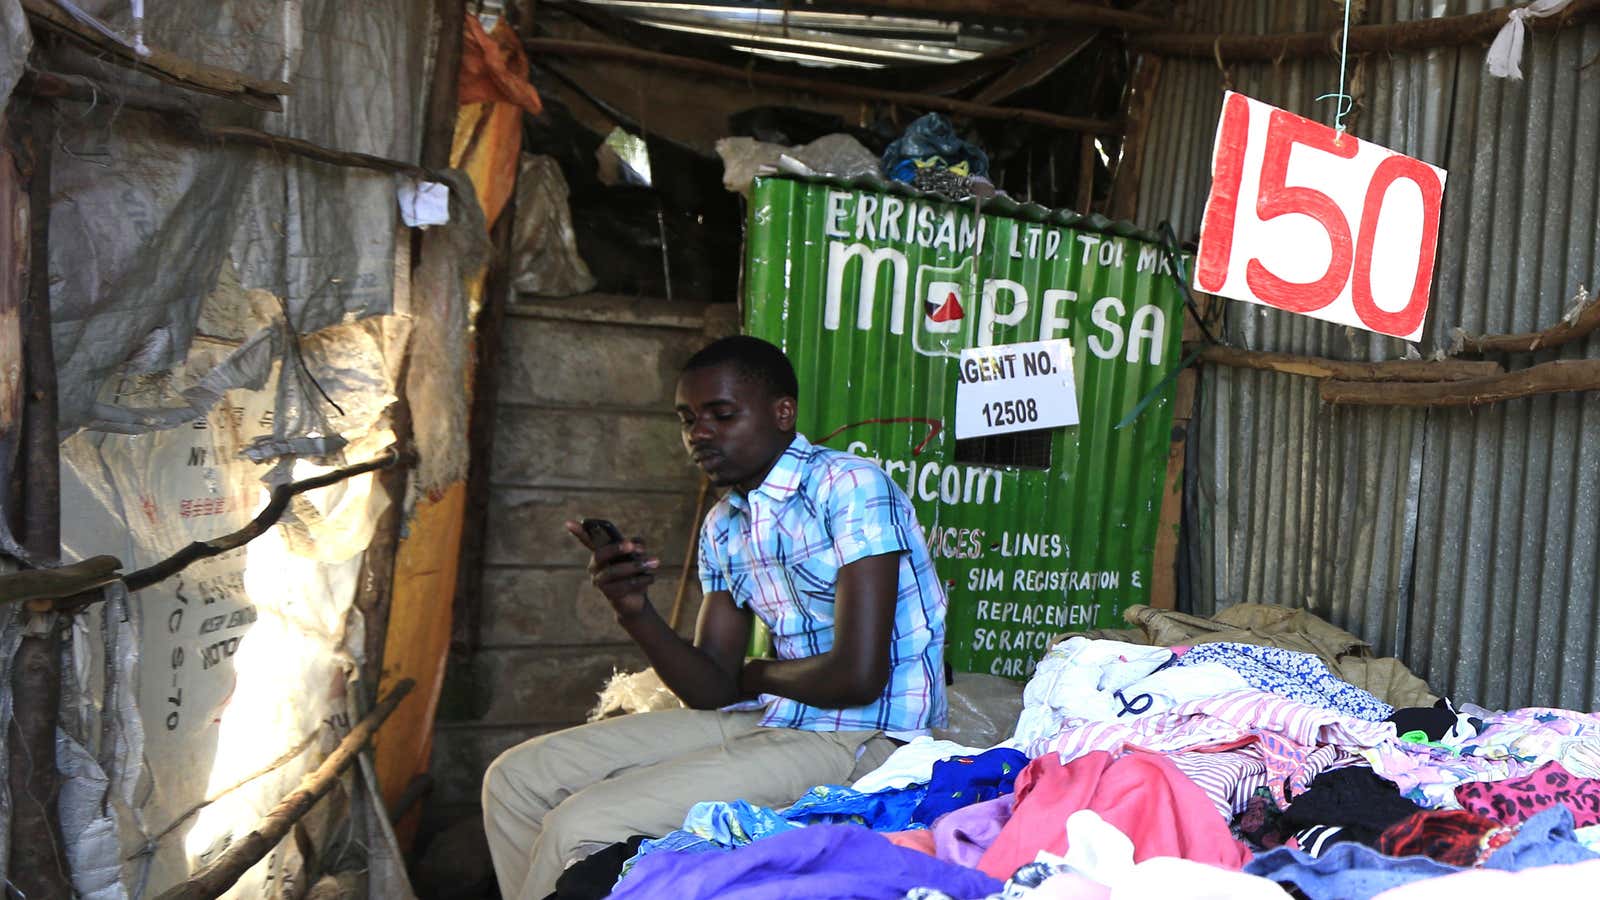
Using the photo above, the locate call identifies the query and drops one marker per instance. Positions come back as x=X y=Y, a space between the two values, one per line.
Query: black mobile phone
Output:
x=600 y=533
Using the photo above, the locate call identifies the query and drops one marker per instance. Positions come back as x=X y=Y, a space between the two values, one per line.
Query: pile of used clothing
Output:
x=1237 y=763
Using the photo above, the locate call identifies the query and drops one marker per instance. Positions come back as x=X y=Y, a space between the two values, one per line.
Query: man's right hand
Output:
x=622 y=571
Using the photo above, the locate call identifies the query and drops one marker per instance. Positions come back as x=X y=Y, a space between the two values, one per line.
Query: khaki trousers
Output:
x=549 y=799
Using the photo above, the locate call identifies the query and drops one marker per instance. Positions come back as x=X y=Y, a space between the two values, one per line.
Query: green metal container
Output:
x=873 y=290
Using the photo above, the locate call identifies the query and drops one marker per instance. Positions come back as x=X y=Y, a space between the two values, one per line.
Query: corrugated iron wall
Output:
x=1465 y=541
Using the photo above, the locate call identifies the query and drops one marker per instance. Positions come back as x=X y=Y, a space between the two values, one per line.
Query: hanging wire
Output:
x=1347 y=103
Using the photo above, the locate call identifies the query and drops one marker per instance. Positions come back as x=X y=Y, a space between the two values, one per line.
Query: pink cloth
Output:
x=1516 y=800
x=1143 y=795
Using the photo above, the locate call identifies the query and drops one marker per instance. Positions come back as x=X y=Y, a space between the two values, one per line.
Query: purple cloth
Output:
x=846 y=862
x=961 y=836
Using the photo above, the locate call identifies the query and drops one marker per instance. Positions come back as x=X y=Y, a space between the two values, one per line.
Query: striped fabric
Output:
x=1217 y=720
x=778 y=552
x=1230 y=776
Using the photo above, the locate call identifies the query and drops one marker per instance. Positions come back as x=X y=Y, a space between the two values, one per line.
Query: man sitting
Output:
x=818 y=544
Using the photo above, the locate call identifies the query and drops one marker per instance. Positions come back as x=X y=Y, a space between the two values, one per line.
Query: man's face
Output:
x=733 y=428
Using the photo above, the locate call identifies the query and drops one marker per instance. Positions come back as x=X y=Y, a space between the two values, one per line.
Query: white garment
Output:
x=1167 y=877
x=1098 y=850
x=1108 y=681
x=1504 y=58
x=911 y=764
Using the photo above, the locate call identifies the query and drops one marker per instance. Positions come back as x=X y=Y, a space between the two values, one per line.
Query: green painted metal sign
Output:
x=875 y=293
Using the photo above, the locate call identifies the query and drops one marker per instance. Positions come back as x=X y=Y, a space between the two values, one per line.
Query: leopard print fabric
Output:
x=1515 y=801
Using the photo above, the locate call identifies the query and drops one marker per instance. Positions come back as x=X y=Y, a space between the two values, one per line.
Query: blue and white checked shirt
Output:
x=778 y=551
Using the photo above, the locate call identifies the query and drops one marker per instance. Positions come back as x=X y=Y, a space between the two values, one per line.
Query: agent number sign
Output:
x=1015 y=387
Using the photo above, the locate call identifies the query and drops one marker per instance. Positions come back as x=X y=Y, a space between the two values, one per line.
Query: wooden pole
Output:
x=481 y=419
x=1130 y=162
x=1403 y=370
x=689 y=556
x=375 y=591
x=38 y=863
x=1416 y=34
x=215 y=879
x=260 y=93
x=1546 y=378
x=836 y=89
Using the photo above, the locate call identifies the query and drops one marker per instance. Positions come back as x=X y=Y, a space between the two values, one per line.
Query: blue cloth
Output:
x=845 y=862
x=717 y=825
x=1347 y=871
x=713 y=826
x=1548 y=838
x=778 y=551
x=889 y=810
x=1298 y=676
x=1352 y=871
x=965 y=780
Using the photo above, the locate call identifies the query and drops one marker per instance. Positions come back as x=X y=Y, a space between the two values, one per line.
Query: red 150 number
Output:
x=1348 y=258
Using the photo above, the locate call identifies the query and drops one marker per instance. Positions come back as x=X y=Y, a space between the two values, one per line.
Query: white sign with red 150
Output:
x=1305 y=219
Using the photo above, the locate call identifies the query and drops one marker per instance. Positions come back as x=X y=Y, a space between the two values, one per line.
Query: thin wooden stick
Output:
x=676 y=617
x=1416 y=34
x=213 y=880
x=1401 y=370
x=260 y=93
x=548 y=47
x=1563 y=332
x=1546 y=378
x=181 y=118
x=258 y=526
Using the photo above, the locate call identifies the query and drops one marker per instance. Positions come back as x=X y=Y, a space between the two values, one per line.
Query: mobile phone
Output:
x=600 y=533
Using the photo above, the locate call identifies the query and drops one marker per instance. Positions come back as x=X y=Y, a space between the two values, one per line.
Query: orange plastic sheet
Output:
x=493 y=93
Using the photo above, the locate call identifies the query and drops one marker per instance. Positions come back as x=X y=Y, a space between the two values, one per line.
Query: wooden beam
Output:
x=1164 y=562
x=38 y=860
x=260 y=93
x=546 y=47
x=1547 y=378
x=1401 y=370
x=40 y=586
x=439 y=127
x=1566 y=331
x=215 y=879
x=1130 y=162
x=1064 y=12
x=182 y=119
x=1416 y=34
x=489 y=337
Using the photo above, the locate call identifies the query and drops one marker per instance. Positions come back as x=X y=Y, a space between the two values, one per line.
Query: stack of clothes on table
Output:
x=1237 y=766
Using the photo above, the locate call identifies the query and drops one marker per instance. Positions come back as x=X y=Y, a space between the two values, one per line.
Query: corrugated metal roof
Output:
x=812 y=37
x=1466 y=541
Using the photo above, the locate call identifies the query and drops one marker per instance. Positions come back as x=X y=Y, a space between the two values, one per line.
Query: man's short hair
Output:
x=754 y=359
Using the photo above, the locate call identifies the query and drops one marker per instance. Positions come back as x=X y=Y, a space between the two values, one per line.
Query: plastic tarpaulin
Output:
x=143 y=223
x=246 y=659
x=545 y=259
x=205 y=297
x=15 y=42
